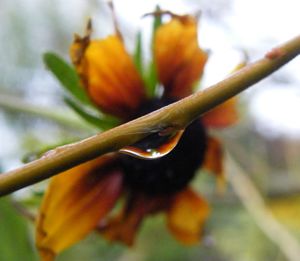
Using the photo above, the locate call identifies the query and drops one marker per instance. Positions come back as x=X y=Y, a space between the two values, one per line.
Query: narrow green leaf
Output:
x=151 y=77
x=138 y=55
x=104 y=122
x=15 y=238
x=67 y=76
x=157 y=19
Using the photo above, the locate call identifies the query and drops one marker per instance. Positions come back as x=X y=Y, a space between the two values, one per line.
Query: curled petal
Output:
x=124 y=226
x=80 y=44
x=74 y=203
x=222 y=116
x=187 y=216
x=179 y=59
x=109 y=75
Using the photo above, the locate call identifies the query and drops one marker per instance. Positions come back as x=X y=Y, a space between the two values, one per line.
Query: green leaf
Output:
x=138 y=55
x=151 y=80
x=157 y=19
x=15 y=239
x=104 y=122
x=67 y=76
x=151 y=77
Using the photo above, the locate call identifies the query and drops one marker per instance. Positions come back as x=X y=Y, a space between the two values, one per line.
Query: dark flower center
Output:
x=172 y=172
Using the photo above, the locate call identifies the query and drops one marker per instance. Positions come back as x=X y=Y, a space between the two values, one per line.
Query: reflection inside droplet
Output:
x=153 y=146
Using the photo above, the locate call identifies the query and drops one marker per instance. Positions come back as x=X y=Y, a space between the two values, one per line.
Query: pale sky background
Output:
x=247 y=25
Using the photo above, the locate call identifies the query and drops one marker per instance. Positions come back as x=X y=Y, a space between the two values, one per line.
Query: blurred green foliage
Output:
x=16 y=241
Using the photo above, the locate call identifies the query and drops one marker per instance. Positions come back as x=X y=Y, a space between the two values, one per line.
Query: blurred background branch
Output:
x=63 y=117
x=254 y=203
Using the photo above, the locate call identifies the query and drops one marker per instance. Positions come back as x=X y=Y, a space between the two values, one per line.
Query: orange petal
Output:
x=124 y=226
x=179 y=59
x=187 y=216
x=223 y=115
x=74 y=203
x=213 y=161
x=109 y=75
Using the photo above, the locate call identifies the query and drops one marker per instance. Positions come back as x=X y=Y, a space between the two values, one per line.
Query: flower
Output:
x=81 y=199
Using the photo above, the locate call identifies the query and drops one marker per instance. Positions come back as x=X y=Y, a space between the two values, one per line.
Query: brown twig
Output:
x=177 y=115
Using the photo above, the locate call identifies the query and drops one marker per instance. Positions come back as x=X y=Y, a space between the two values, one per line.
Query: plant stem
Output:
x=177 y=116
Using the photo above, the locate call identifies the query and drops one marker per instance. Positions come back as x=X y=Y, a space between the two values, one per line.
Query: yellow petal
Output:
x=75 y=201
x=179 y=59
x=224 y=115
x=186 y=216
x=108 y=74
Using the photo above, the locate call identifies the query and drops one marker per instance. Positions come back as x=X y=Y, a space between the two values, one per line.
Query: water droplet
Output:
x=154 y=146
